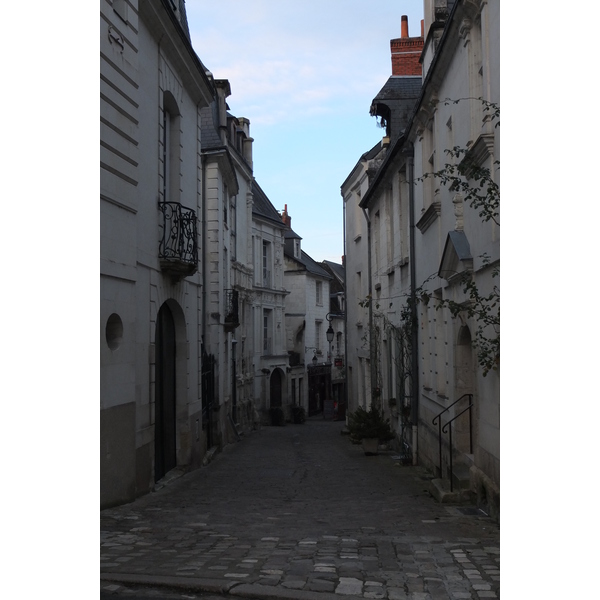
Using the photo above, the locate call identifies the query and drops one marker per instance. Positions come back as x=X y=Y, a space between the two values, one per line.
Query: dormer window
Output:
x=297 y=249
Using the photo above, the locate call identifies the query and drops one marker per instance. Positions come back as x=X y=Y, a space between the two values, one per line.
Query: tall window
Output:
x=166 y=154
x=267 y=339
x=375 y=238
x=390 y=226
x=233 y=227
x=266 y=264
x=254 y=259
x=170 y=149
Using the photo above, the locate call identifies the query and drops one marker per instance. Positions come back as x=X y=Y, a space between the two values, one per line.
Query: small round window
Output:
x=114 y=331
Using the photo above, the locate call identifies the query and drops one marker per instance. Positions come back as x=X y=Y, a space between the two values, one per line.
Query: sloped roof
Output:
x=291 y=234
x=337 y=269
x=400 y=87
x=368 y=155
x=263 y=208
x=210 y=134
x=395 y=102
x=183 y=19
x=308 y=263
x=314 y=267
x=456 y=256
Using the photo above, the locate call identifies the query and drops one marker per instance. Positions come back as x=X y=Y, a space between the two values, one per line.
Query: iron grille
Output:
x=180 y=234
x=232 y=315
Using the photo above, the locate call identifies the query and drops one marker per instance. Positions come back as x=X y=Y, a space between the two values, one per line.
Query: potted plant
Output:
x=298 y=414
x=371 y=427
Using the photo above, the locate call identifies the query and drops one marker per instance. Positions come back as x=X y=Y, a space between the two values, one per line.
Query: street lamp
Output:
x=330 y=334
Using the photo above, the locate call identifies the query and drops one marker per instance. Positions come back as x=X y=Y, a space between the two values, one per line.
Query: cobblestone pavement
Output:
x=299 y=512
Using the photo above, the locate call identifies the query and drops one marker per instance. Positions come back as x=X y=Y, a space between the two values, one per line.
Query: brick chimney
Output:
x=286 y=218
x=406 y=51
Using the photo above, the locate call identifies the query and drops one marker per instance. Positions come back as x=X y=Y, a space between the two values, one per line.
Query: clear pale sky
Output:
x=304 y=74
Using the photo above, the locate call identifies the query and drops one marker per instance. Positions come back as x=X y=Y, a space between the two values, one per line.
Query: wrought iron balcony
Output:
x=232 y=315
x=178 y=248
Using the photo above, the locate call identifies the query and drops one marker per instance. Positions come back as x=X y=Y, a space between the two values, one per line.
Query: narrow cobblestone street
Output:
x=300 y=512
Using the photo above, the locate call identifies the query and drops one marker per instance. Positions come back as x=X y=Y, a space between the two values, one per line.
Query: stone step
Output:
x=461 y=477
x=440 y=490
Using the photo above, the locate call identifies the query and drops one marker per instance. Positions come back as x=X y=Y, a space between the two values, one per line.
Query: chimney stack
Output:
x=404 y=28
x=406 y=52
x=286 y=218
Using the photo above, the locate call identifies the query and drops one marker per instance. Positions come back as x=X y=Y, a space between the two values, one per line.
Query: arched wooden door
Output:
x=165 y=455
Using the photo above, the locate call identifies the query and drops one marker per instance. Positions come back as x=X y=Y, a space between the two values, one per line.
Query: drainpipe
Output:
x=413 y=299
x=203 y=309
x=345 y=259
x=372 y=350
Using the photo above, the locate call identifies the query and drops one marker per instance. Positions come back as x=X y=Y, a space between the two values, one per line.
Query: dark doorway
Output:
x=209 y=364
x=165 y=455
x=276 y=388
x=319 y=384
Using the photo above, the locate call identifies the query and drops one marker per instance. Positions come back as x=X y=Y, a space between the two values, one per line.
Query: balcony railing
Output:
x=232 y=315
x=178 y=248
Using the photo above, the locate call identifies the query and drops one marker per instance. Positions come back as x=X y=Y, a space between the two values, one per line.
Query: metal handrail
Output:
x=470 y=396
x=450 y=435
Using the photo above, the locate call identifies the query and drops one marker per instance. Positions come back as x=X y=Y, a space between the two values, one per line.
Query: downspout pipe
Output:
x=372 y=349
x=410 y=165
x=345 y=260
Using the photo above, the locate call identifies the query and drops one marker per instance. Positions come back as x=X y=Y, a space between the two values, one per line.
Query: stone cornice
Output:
x=479 y=152
x=429 y=216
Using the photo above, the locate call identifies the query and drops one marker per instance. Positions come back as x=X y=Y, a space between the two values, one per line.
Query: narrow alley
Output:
x=300 y=512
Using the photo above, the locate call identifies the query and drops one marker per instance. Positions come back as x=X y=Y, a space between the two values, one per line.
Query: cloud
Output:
x=304 y=74
x=291 y=60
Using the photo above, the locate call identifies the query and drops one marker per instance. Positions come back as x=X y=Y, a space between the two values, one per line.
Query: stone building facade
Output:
x=152 y=88
x=306 y=310
x=270 y=361
x=428 y=248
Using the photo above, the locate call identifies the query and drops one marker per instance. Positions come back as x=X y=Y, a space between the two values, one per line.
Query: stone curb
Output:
x=266 y=592
x=216 y=586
